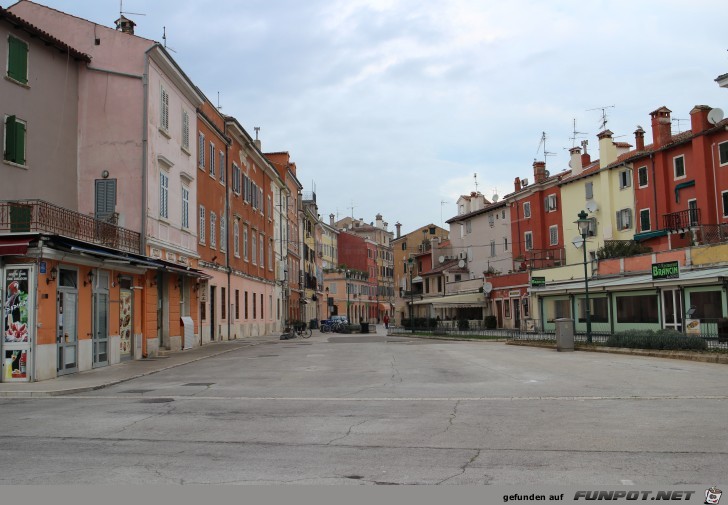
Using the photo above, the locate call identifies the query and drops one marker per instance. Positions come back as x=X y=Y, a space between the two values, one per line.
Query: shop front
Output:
x=18 y=322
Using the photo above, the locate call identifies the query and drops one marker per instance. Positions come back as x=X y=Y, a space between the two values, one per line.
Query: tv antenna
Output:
x=219 y=107
x=542 y=142
x=475 y=177
x=677 y=120
x=603 y=123
x=122 y=11
x=352 y=209
x=442 y=202
x=164 y=39
x=575 y=134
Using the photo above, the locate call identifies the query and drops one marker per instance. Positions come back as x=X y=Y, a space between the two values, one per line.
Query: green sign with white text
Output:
x=538 y=281
x=668 y=270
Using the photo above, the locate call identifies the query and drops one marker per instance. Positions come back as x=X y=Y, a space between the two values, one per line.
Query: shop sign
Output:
x=514 y=292
x=692 y=326
x=538 y=281
x=668 y=270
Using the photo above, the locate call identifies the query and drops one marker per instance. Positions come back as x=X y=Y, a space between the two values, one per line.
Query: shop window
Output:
x=599 y=310
x=708 y=304
x=637 y=309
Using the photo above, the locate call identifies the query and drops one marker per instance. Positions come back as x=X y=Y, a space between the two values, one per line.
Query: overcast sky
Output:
x=392 y=106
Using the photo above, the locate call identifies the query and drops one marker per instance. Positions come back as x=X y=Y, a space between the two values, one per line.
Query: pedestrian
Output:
x=386 y=321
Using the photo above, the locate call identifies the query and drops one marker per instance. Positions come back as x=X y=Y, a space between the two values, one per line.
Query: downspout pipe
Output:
x=227 y=231
x=143 y=232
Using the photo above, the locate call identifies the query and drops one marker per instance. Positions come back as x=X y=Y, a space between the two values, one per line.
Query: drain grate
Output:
x=205 y=384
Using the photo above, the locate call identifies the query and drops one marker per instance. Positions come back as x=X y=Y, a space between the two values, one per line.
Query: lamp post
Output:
x=410 y=264
x=583 y=224
x=348 y=290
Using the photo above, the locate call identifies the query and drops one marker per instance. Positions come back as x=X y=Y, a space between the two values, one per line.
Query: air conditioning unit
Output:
x=524 y=183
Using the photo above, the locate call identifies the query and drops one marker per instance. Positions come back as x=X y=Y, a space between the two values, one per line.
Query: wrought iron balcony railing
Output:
x=540 y=258
x=25 y=216
x=682 y=220
x=712 y=233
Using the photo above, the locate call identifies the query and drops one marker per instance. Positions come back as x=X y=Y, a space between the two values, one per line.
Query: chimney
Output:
x=257 y=140
x=639 y=138
x=398 y=225
x=607 y=149
x=585 y=158
x=380 y=225
x=517 y=184
x=539 y=171
x=125 y=25
x=575 y=161
x=331 y=219
x=699 y=118
x=661 y=127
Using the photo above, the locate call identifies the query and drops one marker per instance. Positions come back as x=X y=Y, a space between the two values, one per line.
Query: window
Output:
x=245 y=244
x=236 y=179
x=642 y=176
x=637 y=309
x=725 y=203
x=270 y=255
x=625 y=180
x=14 y=146
x=491 y=220
x=557 y=309
x=237 y=304
x=236 y=238
x=222 y=166
x=201 y=150
x=507 y=308
x=525 y=307
x=17 y=60
x=693 y=212
x=253 y=249
x=163 y=195
x=164 y=112
x=723 y=153
x=223 y=233
x=645 y=220
x=550 y=203
x=185 y=130
x=245 y=304
x=212 y=159
x=254 y=306
x=589 y=189
x=505 y=243
x=105 y=198
x=527 y=209
x=203 y=224
x=223 y=303
x=679 y=166
x=624 y=219
x=469 y=226
x=598 y=308
x=213 y=230
x=708 y=303
x=492 y=248
x=553 y=235
x=261 y=256
x=185 y=207
x=528 y=236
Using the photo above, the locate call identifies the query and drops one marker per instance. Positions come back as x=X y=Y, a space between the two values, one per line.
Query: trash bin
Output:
x=364 y=327
x=723 y=330
x=313 y=324
x=565 y=334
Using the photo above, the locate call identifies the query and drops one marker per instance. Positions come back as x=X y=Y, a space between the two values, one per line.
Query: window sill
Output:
x=164 y=132
x=185 y=150
x=16 y=165
x=19 y=83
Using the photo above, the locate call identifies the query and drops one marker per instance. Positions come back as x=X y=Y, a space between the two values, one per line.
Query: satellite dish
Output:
x=547 y=173
x=715 y=116
x=578 y=241
x=461 y=263
x=441 y=259
x=524 y=183
x=495 y=198
x=591 y=206
x=487 y=287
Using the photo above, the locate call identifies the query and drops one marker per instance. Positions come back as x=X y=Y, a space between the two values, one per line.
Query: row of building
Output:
x=653 y=253
x=137 y=218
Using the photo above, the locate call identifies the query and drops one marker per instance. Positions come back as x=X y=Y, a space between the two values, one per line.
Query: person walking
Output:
x=386 y=321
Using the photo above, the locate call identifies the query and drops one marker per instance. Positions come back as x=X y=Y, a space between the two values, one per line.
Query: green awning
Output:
x=650 y=234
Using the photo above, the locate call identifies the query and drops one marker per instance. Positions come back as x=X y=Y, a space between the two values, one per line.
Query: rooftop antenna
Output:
x=677 y=120
x=164 y=38
x=543 y=142
x=603 y=123
x=495 y=195
x=352 y=209
x=584 y=143
x=442 y=202
x=575 y=134
x=219 y=107
x=475 y=176
x=256 y=128
x=122 y=11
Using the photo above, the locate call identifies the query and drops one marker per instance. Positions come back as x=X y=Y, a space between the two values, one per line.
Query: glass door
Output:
x=101 y=320
x=672 y=312
x=66 y=335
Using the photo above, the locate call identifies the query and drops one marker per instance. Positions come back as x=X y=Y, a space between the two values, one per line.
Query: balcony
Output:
x=712 y=234
x=681 y=221
x=540 y=258
x=38 y=216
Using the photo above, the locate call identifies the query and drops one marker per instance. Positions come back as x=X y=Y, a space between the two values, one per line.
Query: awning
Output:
x=13 y=246
x=464 y=300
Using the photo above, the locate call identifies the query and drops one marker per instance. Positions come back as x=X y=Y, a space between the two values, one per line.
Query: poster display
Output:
x=17 y=333
x=125 y=323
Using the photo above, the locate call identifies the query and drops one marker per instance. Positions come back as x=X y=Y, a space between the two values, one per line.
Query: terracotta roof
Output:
x=558 y=177
x=447 y=265
x=590 y=169
x=42 y=35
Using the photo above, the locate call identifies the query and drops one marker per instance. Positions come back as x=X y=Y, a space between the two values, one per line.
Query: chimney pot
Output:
x=539 y=171
x=517 y=183
x=699 y=118
x=639 y=138
x=661 y=126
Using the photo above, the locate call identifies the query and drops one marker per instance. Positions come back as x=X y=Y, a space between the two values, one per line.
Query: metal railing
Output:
x=26 y=216
x=536 y=259
x=712 y=233
x=681 y=220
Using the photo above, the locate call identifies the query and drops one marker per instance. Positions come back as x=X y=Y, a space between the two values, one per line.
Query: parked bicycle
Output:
x=299 y=330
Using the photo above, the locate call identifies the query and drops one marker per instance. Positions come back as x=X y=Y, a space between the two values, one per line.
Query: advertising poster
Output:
x=125 y=323
x=16 y=306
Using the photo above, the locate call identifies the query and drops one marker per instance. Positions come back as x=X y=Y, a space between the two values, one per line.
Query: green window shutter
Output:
x=105 y=198
x=17 y=60
x=14 y=141
x=19 y=143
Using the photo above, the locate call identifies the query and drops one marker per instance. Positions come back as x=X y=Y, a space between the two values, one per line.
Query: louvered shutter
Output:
x=105 y=198
x=18 y=60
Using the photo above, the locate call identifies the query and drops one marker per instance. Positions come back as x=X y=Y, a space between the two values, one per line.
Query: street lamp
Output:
x=348 y=289
x=410 y=264
x=583 y=223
